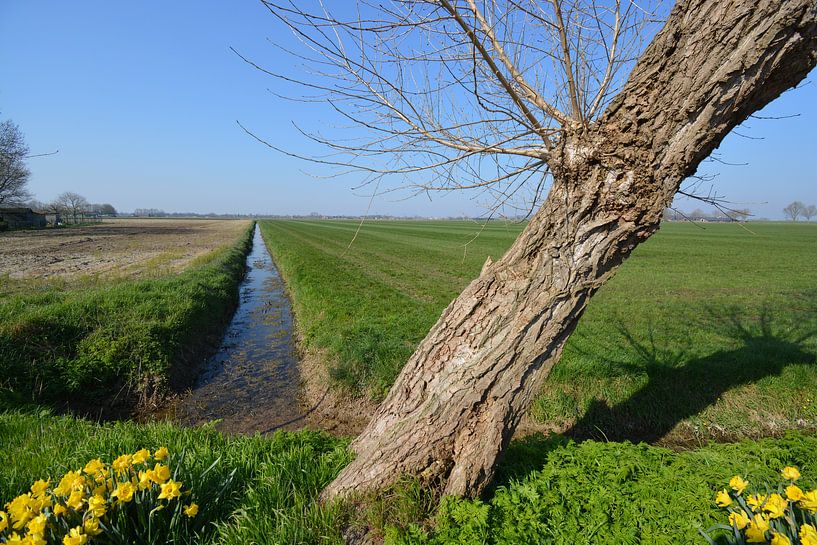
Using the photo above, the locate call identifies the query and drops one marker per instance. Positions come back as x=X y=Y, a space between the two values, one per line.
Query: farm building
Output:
x=21 y=218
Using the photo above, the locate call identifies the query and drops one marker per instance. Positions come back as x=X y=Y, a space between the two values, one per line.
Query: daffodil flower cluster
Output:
x=84 y=503
x=787 y=516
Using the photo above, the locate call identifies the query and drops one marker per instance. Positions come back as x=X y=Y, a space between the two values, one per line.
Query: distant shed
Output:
x=21 y=218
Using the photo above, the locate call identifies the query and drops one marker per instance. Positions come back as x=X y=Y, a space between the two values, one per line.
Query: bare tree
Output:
x=37 y=206
x=794 y=210
x=541 y=98
x=71 y=204
x=14 y=173
x=809 y=212
x=741 y=214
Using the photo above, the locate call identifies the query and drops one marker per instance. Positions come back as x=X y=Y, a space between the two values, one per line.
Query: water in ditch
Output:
x=251 y=384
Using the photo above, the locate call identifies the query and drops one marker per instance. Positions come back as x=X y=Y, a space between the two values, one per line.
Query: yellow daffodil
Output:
x=776 y=506
x=40 y=502
x=94 y=466
x=37 y=525
x=71 y=481
x=756 y=501
x=144 y=480
x=780 y=539
x=91 y=527
x=739 y=519
x=159 y=474
x=141 y=456
x=191 y=510
x=738 y=484
x=97 y=505
x=723 y=499
x=755 y=535
x=20 y=511
x=100 y=490
x=756 y=532
x=75 y=500
x=75 y=537
x=808 y=534
x=170 y=490
x=39 y=487
x=809 y=500
x=124 y=492
x=790 y=473
x=34 y=513
x=122 y=463
x=35 y=539
x=102 y=475
x=794 y=493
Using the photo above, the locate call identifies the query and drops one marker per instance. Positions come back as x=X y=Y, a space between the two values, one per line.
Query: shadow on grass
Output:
x=676 y=390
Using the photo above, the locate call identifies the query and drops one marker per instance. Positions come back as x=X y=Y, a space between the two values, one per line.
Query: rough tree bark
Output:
x=459 y=398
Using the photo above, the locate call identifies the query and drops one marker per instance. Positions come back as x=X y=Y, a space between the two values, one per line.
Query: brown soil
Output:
x=326 y=407
x=119 y=248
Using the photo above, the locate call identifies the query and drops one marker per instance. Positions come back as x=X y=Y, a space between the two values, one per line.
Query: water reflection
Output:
x=251 y=383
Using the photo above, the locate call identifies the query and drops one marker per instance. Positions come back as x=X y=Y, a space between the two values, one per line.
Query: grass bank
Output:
x=727 y=317
x=98 y=342
x=548 y=490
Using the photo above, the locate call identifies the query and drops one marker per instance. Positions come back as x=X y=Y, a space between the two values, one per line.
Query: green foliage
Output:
x=86 y=345
x=396 y=510
x=727 y=316
x=608 y=493
x=550 y=490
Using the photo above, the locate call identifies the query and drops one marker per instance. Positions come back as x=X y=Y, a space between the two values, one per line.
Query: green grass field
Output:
x=703 y=333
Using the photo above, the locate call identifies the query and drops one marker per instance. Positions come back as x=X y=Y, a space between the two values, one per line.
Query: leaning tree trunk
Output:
x=459 y=398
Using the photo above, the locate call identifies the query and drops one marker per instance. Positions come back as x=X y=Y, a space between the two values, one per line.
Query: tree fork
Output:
x=456 y=403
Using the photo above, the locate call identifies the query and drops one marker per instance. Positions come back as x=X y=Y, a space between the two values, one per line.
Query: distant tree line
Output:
x=738 y=214
x=70 y=207
x=797 y=209
x=150 y=213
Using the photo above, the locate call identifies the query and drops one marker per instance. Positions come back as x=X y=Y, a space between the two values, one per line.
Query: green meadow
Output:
x=707 y=331
x=703 y=334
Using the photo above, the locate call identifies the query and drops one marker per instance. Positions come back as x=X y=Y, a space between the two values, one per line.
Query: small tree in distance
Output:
x=71 y=205
x=809 y=212
x=794 y=210
x=14 y=173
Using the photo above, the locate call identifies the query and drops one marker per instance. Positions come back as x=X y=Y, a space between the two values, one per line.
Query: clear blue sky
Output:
x=142 y=98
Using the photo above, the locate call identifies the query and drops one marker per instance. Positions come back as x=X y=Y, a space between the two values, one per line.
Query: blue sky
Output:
x=142 y=98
